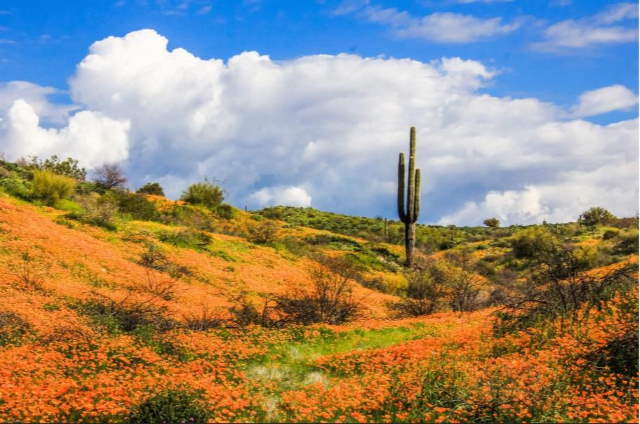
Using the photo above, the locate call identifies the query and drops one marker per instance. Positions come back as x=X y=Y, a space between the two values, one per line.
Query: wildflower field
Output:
x=143 y=324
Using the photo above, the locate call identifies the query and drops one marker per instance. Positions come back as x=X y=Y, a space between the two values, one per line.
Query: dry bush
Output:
x=329 y=300
x=97 y=210
x=204 y=319
x=12 y=328
x=66 y=334
x=154 y=258
x=560 y=288
x=263 y=232
x=164 y=289
x=29 y=271
x=128 y=313
x=426 y=291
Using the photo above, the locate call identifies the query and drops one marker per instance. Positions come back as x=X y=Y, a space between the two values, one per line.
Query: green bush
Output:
x=189 y=216
x=530 y=242
x=151 y=188
x=225 y=211
x=171 y=406
x=135 y=205
x=68 y=167
x=16 y=186
x=188 y=238
x=50 y=187
x=205 y=193
x=628 y=243
x=596 y=216
x=610 y=233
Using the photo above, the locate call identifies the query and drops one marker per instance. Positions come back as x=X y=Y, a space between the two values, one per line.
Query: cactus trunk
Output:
x=408 y=213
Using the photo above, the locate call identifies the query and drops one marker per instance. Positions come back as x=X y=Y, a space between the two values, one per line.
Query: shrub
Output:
x=263 y=232
x=135 y=205
x=225 y=211
x=205 y=194
x=154 y=258
x=628 y=243
x=491 y=222
x=68 y=167
x=329 y=300
x=620 y=354
x=426 y=291
x=203 y=320
x=29 y=271
x=559 y=288
x=12 y=328
x=610 y=233
x=187 y=238
x=127 y=314
x=109 y=176
x=97 y=210
x=151 y=188
x=596 y=216
x=189 y=216
x=528 y=243
x=16 y=186
x=50 y=187
x=171 y=406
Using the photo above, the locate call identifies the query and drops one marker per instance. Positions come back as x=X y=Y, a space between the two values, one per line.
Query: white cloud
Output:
x=438 y=27
x=605 y=99
x=326 y=130
x=89 y=136
x=559 y=202
x=289 y=196
x=591 y=31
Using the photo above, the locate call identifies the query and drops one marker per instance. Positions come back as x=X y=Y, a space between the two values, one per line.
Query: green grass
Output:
x=291 y=365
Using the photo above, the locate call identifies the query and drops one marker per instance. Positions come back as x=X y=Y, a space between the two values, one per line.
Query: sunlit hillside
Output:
x=130 y=307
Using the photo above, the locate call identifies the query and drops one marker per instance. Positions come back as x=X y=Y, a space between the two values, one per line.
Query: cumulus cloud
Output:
x=605 y=99
x=292 y=196
x=89 y=136
x=440 y=27
x=591 y=31
x=325 y=131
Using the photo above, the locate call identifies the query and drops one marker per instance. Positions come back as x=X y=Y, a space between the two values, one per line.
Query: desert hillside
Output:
x=130 y=307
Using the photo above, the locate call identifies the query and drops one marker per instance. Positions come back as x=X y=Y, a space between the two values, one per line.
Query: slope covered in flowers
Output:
x=62 y=358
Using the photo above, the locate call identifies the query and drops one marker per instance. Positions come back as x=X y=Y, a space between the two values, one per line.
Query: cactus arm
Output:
x=401 y=168
x=416 y=199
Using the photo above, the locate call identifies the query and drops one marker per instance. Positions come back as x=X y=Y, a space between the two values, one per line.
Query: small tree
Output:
x=205 y=194
x=68 y=167
x=109 y=176
x=492 y=222
x=596 y=216
x=151 y=188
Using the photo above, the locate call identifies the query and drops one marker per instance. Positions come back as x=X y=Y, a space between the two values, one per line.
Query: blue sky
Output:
x=552 y=51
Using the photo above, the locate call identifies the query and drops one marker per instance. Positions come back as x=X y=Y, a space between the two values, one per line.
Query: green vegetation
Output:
x=50 y=188
x=151 y=188
x=171 y=406
x=206 y=194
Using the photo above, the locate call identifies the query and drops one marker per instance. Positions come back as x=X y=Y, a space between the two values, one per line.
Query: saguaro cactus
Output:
x=408 y=213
